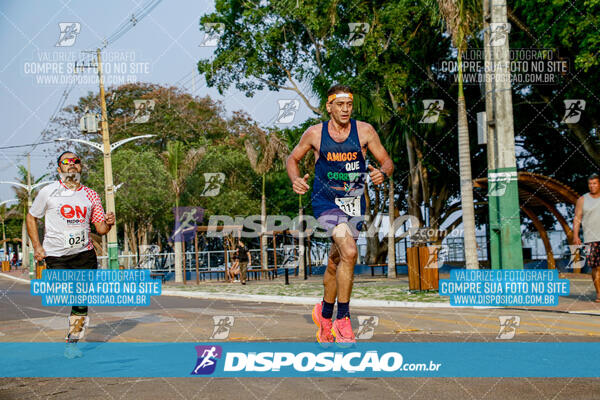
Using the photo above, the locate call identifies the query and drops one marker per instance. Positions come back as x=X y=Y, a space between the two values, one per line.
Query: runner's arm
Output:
x=36 y=211
x=102 y=222
x=104 y=226
x=577 y=220
x=380 y=154
x=304 y=146
x=32 y=230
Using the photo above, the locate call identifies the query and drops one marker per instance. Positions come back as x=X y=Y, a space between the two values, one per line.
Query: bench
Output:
x=255 y=273
x=373 y=266
x=162 y=276
x=220 y=274
x=258 y=273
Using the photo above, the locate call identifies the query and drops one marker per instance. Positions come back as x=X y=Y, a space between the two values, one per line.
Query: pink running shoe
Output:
x=325 y=326
x=342 y=330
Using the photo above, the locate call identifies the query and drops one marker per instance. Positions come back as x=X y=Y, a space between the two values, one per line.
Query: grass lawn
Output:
x=362 y=290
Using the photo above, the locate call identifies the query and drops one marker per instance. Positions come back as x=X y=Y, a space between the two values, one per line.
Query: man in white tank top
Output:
x=587 y=211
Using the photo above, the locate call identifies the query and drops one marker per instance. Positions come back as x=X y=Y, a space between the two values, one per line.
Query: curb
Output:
x=14 y=278
x=280 y=299
x=582 y=312
x=311 y=300
x=299 y=300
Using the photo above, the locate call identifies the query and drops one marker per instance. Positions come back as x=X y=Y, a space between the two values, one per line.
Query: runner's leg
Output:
x=329 y=278
x=346 y=246
x=86 y=260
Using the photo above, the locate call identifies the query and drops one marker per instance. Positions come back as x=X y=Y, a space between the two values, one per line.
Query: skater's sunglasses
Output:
x=67 y=161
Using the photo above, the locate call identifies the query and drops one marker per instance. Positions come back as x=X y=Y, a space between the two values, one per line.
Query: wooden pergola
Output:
x=293 y=233
x=234 y=230
x=539 y=192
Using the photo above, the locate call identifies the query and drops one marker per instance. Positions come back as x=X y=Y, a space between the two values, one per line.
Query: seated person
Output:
x=234 y=270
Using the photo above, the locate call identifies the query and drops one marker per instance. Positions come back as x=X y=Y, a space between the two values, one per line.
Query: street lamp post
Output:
x=113 y=249
x=107 y=149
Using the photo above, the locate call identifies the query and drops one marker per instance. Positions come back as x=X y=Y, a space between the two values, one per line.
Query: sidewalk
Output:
x=579 y=301
x=368 y=291
x=18 y=273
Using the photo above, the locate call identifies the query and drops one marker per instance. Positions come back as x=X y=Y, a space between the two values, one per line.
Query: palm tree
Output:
x=4 y=215
x=462 y=18
x=263 y=150
x=24 y=196
x=180 y=164
x=372 y=105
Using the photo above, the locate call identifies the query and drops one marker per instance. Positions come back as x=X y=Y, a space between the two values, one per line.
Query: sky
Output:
x=163 y=47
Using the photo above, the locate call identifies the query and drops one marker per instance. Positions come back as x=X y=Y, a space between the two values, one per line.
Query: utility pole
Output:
x=113 y=249
x=503 y=196
x=29 y=244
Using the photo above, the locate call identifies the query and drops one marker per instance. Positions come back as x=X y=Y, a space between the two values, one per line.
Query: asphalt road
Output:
x=179 y=319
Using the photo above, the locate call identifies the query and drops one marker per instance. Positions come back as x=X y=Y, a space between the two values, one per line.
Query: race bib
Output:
x=349 y=205
x=76 y=239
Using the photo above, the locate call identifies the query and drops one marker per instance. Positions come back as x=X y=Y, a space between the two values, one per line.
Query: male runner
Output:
x=68 y=207
x=340 y=147
x=587 y=210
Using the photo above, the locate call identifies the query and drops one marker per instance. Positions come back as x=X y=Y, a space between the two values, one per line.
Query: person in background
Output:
x=234 y=270
x=243 y=255
x=587 y=212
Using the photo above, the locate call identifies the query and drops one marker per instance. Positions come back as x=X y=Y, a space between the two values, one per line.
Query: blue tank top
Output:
x=340 y=172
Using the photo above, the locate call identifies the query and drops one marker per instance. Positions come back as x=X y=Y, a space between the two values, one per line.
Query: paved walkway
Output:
x=300 y=291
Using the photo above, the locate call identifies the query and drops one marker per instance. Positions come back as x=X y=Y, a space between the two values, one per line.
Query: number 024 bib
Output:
x=76 y=239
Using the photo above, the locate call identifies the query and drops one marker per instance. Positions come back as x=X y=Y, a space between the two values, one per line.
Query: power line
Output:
x=130 y=22
x=188 y=81
x=183 y=79
x=26 y=145
x=59 y=106
x=125 y=27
